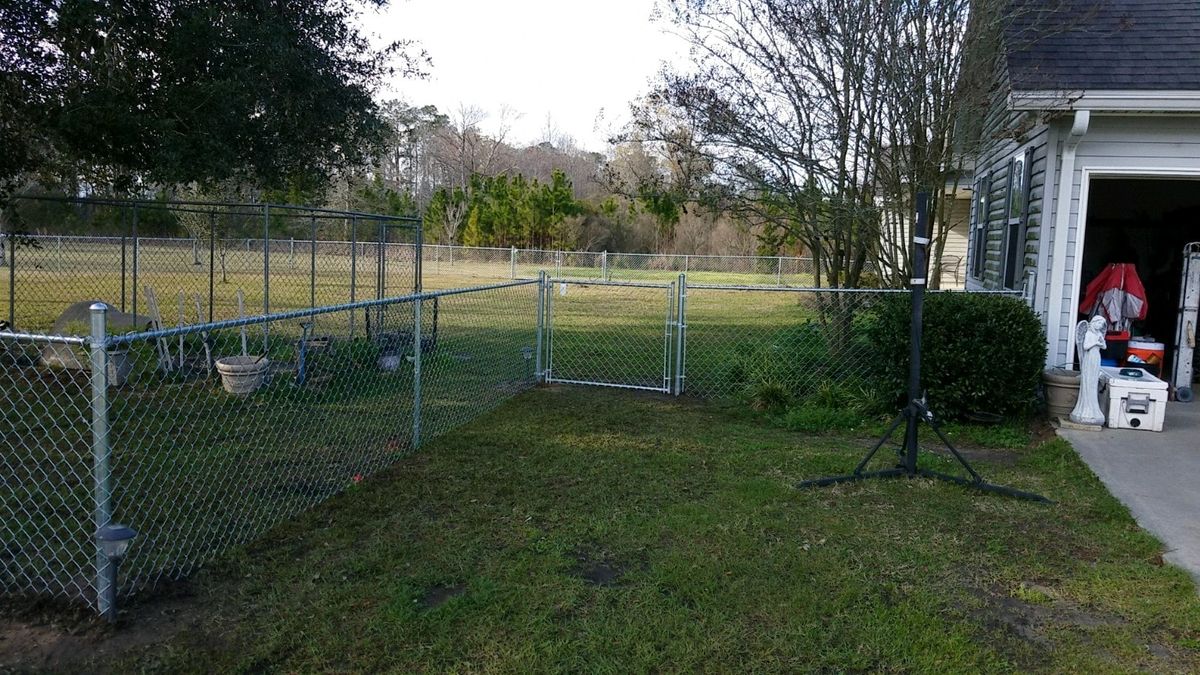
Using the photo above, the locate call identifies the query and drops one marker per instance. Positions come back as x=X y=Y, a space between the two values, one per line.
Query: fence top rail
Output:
x=125 y=338
x=251 y=208
x=42 y=337
x=598 y=282
x=827 y=289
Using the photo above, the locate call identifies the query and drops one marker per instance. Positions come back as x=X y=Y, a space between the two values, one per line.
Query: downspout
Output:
x=1062 y=222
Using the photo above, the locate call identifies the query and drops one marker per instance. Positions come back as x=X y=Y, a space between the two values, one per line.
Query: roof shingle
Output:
x=1112 y=44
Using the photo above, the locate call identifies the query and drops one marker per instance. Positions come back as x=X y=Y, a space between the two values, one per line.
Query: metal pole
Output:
x=353 y=266
x=541 y=322
x=667 y=329
x=512 y=263
x=920 y=241
x=686 y=262
x=212 y=255
x=680 y=327
x=312 y=266
x=604 y=265
x=548 y=371
x=12 y=279
x=779 y=271
x=266 y=259
x=416 y=423
x=124 y=234
x=419 y=269
x=266 y=275
x=106 y=571
x=136 y=260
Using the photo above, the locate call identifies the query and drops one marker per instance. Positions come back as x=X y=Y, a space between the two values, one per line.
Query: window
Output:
x=1016 y=212
x=979 y=222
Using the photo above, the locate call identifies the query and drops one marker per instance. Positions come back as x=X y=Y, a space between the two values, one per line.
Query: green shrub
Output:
x=979 y=352
x=768 y=396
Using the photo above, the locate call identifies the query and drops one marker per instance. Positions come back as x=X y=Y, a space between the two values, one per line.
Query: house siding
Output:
x=1013 y=134
x=954 y=247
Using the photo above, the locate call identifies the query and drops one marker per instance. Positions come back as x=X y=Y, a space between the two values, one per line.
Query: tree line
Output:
x=800 y=126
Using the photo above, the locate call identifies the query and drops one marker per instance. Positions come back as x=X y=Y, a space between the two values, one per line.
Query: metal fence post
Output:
x=353 y=266
x=266 y=274
x=106 y=572
x=779 y=271
x=419 y=259
x=124 y=267
x=266 y=259
x=312 y=263
x=212 y=258
x=686 y=262
x=136 y=260
x=12 y=279
x=541 y=323
x=416 y=421
x=680 y=330
x=512 y=263
x=604 y=265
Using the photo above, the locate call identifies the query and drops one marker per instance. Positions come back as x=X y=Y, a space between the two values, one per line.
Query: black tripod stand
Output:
x=916 y=411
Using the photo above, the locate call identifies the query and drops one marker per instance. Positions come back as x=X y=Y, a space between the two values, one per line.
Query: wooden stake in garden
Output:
x=203 y=334
x=162 y=348
x=241 y=300
x=181 y=302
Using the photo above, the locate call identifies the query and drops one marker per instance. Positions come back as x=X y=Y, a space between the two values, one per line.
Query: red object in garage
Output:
x=1117 y=294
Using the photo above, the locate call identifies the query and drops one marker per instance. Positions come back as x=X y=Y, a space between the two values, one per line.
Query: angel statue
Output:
x=1089 y=340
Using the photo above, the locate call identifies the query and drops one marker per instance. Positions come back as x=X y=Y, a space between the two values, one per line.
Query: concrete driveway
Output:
x=1157 y=475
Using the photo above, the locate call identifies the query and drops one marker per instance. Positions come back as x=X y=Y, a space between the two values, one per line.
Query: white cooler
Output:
x=1132 y=402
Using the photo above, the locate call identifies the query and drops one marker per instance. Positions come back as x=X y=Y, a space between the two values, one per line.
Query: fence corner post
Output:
x=417 y=349
x=106 y=572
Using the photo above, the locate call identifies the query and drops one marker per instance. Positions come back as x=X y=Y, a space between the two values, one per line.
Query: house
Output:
x=1090 y=154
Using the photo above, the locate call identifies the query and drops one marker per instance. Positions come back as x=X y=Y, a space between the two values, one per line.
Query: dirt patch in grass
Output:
x=600 y=569
x=441 y=594
x=1033 y=613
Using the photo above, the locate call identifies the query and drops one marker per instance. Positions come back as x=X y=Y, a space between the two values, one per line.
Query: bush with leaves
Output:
x=979 y=352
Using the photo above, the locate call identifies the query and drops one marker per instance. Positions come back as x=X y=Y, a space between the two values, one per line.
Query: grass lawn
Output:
x=588 y=529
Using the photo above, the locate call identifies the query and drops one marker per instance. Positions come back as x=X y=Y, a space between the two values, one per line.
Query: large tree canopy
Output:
x=263 y=92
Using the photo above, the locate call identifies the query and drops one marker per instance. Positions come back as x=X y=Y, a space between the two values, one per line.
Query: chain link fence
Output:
x=204 y=436
x=190 y=262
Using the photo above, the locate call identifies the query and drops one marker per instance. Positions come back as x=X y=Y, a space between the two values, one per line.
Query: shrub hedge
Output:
x=979 y=352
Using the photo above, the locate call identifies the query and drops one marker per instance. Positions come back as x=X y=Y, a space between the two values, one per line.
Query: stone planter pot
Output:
x=1062 y=391
x=119 y=366
x=242 y=375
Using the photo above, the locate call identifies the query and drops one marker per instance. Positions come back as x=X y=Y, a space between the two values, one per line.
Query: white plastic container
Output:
x=1132 y=402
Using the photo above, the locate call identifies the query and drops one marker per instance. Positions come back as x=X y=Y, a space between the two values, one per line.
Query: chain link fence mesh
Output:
x=195 y=468
x=172 y=256
x=610 y=334
x=344 y=371
x=799 y=340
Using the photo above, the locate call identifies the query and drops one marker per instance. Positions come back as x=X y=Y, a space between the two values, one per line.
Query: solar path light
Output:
x=113 y=541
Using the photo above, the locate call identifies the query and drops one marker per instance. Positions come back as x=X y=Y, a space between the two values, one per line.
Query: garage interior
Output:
x=1147 y=222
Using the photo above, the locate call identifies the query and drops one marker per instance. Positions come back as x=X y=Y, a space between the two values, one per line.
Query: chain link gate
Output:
x=590 y=339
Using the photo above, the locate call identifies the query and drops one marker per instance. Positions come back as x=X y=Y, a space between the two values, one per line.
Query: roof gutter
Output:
x=1116 y=101
x=1062 y=221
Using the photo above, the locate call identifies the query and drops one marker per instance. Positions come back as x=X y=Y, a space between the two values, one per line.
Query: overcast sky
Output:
x=579 y=61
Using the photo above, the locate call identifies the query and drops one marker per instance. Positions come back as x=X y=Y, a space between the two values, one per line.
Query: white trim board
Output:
x=1085 y=182
x=1107 y=100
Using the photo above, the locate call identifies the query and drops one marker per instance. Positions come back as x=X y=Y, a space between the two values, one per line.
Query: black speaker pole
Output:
x=916 y=411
